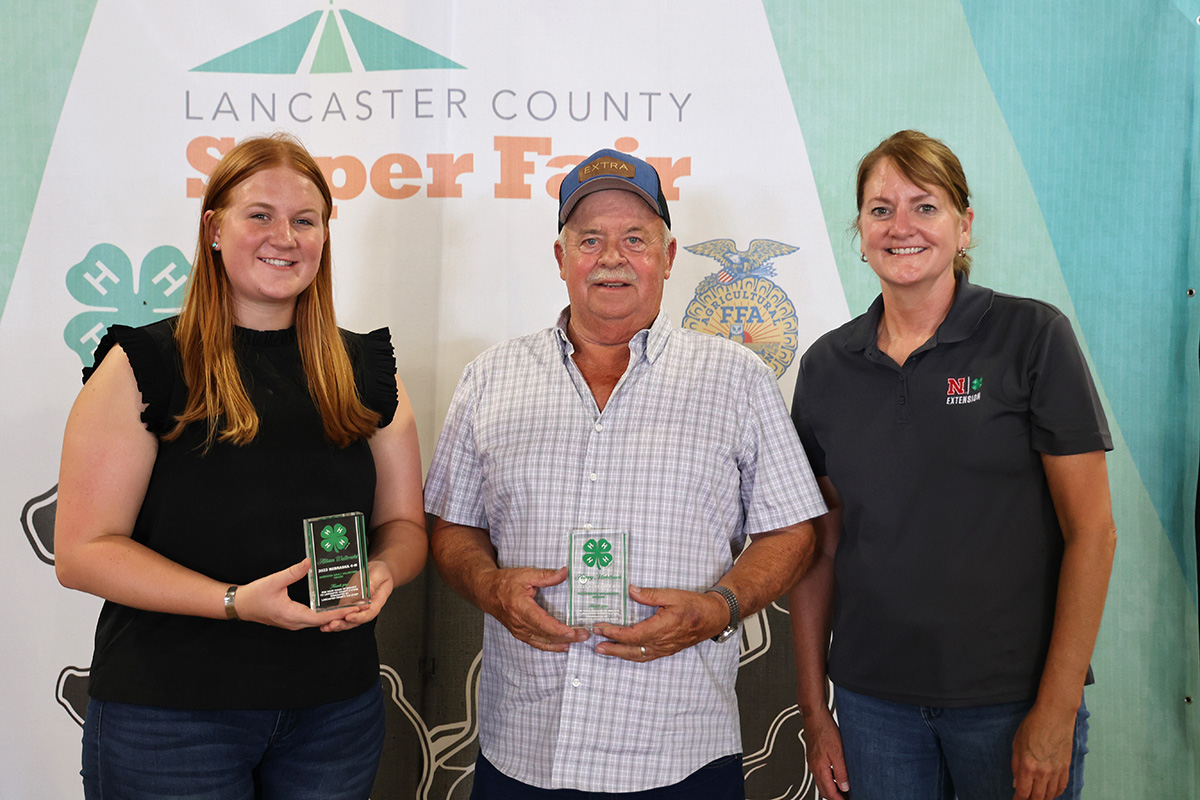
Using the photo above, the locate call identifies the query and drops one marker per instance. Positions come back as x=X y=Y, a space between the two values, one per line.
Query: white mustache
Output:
x=615 y=275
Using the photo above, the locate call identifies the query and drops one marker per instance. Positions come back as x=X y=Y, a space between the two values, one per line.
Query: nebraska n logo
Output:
x=338 y=40
x=966 y=389
x=959 y=385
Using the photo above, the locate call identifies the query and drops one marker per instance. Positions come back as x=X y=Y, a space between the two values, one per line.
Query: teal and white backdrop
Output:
x=446 y=128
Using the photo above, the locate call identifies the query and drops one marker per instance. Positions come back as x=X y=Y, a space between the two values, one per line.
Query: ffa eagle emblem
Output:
x=742 y=303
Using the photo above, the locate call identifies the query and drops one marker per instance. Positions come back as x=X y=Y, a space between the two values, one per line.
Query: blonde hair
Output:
x=204 y=334
x=927 y=162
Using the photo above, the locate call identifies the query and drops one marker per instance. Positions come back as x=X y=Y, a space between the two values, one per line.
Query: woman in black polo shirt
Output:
x=959 y=441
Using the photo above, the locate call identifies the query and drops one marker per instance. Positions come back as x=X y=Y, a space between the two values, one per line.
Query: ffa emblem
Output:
x=742 y=303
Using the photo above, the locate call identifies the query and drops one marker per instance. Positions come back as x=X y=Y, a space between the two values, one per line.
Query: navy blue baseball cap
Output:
x=611 y=169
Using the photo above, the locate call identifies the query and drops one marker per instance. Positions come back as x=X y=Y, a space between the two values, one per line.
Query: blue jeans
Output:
x=718 y=780
x=898 y=751
x=326 y=752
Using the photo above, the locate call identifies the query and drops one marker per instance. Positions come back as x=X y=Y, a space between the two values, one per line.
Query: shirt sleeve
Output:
x=374 y=360
x=454 y=487
x=151 y=362
x=801 y=415
x=778 y=488
x=1066 y=416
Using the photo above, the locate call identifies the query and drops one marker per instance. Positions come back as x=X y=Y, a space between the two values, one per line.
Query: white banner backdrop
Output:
x=445 y=157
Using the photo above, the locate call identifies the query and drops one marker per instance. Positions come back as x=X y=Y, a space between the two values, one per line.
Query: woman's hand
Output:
x=823 y=752
x=1041 y=760
x=266 y=601
x=382 y=584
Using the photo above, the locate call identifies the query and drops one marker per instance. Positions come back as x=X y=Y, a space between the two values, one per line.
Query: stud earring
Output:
x=862 y=257
x=962 y=252
x=216 y=246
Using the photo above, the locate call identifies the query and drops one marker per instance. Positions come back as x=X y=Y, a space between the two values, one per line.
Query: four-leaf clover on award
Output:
x=598 y=567
x=333 y=538
x=337 y=549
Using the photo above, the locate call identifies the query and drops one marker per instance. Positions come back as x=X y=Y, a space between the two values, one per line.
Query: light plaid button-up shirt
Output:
x=693 y=451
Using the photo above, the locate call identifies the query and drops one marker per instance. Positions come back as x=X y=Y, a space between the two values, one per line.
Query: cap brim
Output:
x=599 y=184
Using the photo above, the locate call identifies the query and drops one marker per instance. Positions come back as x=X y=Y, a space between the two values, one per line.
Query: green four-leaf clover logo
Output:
x=333 y=537
x=976 y=384
x=597 y=553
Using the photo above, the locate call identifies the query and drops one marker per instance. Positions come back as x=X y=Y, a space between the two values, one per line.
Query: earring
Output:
x=962 y=252
x=862 y=257
x=216 y=246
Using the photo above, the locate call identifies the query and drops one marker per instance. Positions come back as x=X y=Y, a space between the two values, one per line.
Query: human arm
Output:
x=108 y=456
x=399 y=543
x=466 y=560
x=811 y=605
x=774 y=475
x=769 y=565
x=456 y=489
x=1042 y=746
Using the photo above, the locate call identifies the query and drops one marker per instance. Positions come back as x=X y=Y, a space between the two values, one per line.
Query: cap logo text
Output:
x=605 y=166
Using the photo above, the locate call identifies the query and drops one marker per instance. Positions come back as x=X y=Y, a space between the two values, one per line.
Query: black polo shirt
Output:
x=947 y=567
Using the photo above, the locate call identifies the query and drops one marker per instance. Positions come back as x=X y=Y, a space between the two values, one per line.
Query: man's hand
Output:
x=510 y=598
x=683 y=619
x=467 y=561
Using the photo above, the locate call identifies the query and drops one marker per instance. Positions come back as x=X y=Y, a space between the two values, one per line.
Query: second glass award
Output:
x=598 y=563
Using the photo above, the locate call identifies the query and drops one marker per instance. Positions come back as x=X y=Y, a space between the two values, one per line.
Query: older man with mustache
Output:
x=655 y=452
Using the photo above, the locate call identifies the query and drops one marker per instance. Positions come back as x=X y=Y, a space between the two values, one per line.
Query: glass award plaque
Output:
x=598 y=567
x=337 y=574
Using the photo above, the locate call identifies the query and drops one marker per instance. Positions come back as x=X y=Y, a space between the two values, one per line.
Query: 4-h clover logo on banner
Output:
x=333 y=537
x=597 y=553
x=106 y=281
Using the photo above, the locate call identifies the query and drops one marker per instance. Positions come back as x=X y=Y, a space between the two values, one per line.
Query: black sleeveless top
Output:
x=234 y=514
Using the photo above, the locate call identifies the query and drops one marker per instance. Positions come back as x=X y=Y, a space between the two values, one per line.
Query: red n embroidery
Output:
x=956 y=386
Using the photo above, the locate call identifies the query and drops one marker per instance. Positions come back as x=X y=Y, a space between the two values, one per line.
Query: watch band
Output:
x=230 y=611
x=734 y=613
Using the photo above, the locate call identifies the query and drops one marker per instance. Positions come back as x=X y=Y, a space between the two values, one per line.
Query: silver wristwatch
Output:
x=734 y=615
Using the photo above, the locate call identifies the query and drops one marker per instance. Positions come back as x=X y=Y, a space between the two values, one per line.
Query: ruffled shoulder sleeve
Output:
x=152 y=356
x=374 y=361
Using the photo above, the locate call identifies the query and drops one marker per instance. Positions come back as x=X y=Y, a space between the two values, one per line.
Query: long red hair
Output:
x=205 y=330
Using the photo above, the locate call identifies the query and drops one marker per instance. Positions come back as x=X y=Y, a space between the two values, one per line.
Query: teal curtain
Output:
x=1076 y=125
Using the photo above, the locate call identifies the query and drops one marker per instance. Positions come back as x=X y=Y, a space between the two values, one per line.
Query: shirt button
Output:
x=598 y=427
x=575 y=682
x=593 y=477
x=903 y=401
x=587 y=526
